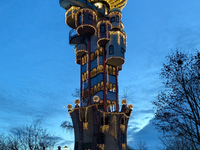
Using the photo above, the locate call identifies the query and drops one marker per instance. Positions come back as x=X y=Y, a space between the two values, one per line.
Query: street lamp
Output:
x=65 y=147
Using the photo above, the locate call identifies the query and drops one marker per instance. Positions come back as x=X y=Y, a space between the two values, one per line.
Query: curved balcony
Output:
x=70 y=16
x=81 y=49
x=74 y=38
x=103 y=27
x=116 y=48
x=86 y=22
x=78 y=59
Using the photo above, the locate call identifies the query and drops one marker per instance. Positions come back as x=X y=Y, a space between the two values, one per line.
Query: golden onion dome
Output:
x=120 y=4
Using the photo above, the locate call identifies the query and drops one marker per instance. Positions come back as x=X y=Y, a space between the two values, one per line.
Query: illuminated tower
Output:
x=100 y=45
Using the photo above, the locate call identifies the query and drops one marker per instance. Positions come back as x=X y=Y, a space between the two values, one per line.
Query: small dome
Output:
x=130 y=106
x=116 y=9
x=77 y=101
x=96 y=98
x=124 y=102
x=69 y=107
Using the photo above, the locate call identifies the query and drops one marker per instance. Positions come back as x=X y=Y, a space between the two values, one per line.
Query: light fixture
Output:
x=65 y=147
x=96 y=98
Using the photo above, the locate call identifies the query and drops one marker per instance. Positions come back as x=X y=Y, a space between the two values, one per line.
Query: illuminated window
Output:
x=103 y=28
x=111 y=49
x=112 y=19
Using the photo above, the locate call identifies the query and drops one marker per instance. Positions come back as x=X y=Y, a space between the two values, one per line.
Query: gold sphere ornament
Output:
x=69 y=107
x=114 y=103
x=101 y=101
x=96 y=98
x=124 y=102
x=130 y=106
x=77 y=101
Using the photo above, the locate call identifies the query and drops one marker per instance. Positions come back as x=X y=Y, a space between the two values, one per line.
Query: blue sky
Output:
x=38 y=70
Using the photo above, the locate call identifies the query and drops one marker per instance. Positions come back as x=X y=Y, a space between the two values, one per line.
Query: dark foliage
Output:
x=178 y=109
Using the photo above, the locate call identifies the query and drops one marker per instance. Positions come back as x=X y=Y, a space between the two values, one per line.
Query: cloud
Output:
x=148 y=135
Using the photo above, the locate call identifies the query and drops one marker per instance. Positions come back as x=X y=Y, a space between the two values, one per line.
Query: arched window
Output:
x=114 y=88
x=92 y=56
x=106 y=68
x=110 y=70
x=91 y=91
x=112 y=19
x=101 y=85
x=107 y=86
x=95 y=89
x=111 y=49
x=113 y=70
x=98 y=87
x=96 y=53
x=111 y=88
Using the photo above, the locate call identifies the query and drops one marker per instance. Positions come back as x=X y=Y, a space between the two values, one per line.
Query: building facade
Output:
x=99 y=42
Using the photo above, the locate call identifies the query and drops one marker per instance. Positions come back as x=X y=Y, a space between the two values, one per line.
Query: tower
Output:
x=100 y=45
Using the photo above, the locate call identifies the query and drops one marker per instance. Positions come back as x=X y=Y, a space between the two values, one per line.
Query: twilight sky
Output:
x=38 y=72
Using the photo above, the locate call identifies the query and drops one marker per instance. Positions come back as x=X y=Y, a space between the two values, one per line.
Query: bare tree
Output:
x=77 y=94
x=178 y=106
x=67 y=125
x=28 y=137
x=142 y=146
x=176 y=143
x=127 y=93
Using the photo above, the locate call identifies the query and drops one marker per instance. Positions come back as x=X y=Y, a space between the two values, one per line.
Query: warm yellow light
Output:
x=99 y=5
x=96 y=98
